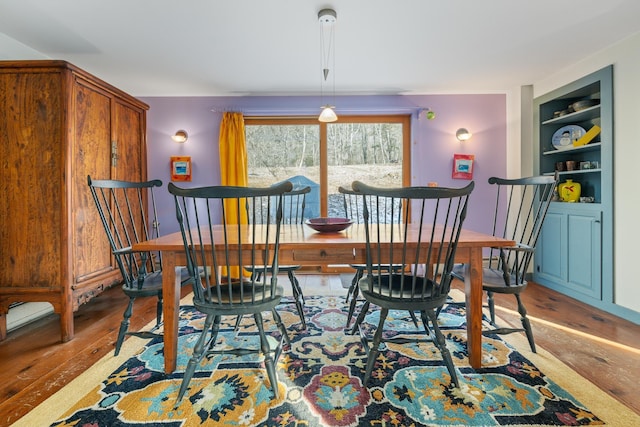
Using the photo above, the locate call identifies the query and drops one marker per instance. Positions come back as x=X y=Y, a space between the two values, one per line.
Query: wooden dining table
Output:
x=301 y=245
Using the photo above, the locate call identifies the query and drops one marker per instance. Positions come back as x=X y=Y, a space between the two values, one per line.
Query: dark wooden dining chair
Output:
x=222 y=285
x=428 y=234
x=293 y=209
x=128 y=213
x=520 y=207
x=353 y=204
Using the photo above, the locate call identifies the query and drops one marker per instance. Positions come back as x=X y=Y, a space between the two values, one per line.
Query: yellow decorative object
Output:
x=587 y=137
x=569 y=191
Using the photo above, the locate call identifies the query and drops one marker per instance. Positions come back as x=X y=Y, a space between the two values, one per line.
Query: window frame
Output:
x=403 y=119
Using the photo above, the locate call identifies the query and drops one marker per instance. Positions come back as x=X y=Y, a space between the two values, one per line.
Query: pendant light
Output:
x=327 y=19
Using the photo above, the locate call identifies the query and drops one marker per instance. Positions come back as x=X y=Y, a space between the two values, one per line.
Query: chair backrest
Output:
x=424 y=246
x=293 y=207
x=521 y=206
x=386 y=208
x=128 y=213
x=226 y=217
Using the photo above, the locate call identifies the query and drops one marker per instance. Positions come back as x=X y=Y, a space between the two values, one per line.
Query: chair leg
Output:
x=236 y=327
x=525 y=323
x=492 y=308
x=441 y=343
x=198 y=353
x=361 y=315
x=352 y=309
x=268 y=359
x=372 y=352
x=124 y=325
x=159 y=309
x=298 y=297
x=296 y=284
x=354 y=283
x=413 y=317
x=281 y=327
x=354 y=297
x=215 y=329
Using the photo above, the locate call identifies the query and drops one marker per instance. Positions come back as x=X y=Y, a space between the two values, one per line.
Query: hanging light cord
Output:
x=326 y=49
x=328 y=59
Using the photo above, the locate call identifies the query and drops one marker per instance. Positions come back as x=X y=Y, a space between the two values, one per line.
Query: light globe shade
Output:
x=463 y=135
x=327 y=115
x=180 y=136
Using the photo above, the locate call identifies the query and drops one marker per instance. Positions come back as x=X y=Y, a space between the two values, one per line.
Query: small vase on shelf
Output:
x=569 y=191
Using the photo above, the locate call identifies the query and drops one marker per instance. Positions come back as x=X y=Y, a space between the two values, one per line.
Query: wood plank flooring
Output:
x=34 y=364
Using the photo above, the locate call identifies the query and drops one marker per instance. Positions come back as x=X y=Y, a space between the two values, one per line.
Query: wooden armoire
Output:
x=59 y=124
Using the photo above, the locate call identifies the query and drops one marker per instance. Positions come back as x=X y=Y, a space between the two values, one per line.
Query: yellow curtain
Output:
x=233 y=150
x=233 y=163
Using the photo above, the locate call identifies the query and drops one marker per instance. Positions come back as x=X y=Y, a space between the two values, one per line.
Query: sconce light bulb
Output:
x=463 y=135
x=180 y=136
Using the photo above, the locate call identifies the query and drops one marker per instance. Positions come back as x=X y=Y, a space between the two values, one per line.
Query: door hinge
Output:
x=114 y=154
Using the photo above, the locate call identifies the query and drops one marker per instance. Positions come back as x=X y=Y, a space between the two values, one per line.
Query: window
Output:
x=372 y=149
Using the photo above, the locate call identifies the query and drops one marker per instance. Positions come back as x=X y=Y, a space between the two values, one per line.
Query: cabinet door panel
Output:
x=128 y=134
x=552 y=247
x=584 y=258
x=32 y=154
x=92 y=156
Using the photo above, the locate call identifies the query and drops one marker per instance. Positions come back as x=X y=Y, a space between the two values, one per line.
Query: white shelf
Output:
x=589 y=147
x=575 y=172
x=578 y=116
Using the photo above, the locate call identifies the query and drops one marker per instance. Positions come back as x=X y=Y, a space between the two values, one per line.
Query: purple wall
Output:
x=433 y=141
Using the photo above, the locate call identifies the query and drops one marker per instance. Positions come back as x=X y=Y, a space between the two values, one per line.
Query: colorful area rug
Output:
x=320 y=382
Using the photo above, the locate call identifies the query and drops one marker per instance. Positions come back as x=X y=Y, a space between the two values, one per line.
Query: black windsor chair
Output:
x=424 y=244
x=353 y=204
x=520 y=208
x=122 y=206
x=293 y=207
x=222 y=285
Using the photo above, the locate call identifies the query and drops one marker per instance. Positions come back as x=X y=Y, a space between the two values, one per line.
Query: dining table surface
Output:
x=301 y=245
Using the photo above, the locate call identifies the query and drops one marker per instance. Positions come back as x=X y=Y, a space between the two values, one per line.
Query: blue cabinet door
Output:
x=551 y=253
x=569 y=253
x=584 y=255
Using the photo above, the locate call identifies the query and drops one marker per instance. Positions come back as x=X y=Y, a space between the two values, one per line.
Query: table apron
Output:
x=320 y=256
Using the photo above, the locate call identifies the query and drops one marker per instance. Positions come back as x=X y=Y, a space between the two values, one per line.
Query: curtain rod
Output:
x=306 y=111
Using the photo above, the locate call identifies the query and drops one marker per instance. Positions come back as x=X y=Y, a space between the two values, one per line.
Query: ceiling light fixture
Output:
x=327 y=19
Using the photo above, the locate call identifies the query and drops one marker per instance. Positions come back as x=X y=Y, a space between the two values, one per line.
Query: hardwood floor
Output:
x=34 y=364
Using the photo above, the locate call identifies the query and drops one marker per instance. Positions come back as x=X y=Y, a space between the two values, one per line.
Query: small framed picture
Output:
x=180 y=168
x=462 y=166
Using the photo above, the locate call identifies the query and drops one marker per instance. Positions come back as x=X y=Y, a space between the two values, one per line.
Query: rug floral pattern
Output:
x=320 y=381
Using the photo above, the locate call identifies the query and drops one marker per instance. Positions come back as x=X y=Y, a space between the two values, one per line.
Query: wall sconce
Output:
x=463 y=135
x=428 y=113
x=180 y=136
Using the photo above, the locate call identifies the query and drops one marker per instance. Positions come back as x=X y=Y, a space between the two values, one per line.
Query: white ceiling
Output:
x=272 y=47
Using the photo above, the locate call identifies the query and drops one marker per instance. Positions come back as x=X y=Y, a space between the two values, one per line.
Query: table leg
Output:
x=473 y=297
x=171 y=306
